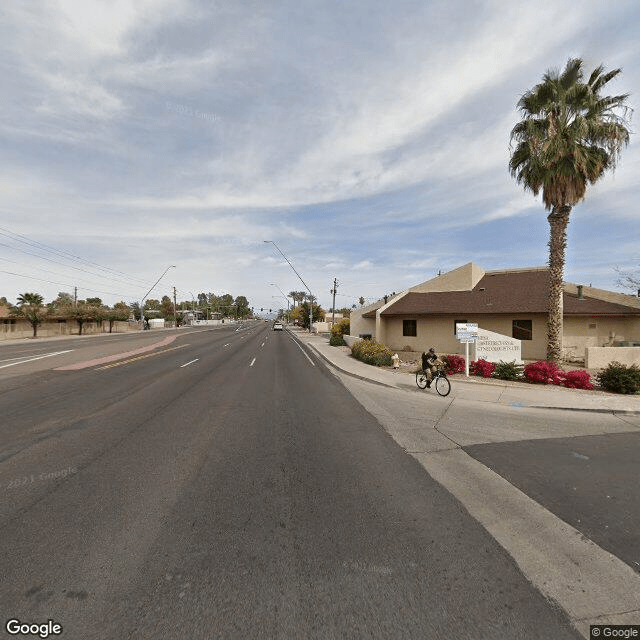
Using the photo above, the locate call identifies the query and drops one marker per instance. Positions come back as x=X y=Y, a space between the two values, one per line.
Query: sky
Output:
x=368 y=140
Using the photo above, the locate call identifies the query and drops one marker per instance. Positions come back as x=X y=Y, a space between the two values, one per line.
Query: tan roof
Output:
x=504 y=292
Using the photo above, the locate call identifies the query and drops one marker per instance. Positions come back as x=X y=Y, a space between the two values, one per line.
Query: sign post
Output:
x=466 y=332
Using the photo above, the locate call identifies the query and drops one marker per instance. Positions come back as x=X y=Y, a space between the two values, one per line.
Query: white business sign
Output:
x=496 y=347
x=466 y=331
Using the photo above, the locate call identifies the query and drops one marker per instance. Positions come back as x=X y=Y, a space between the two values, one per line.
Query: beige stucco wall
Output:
x=600 y=357
x=438 y=332
x=22 y=329
x=463 y=278
x=359 y=325
x=579 y=333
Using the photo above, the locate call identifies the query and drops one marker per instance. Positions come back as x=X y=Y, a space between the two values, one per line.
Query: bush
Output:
x=578 y=379
x=341 y=328
x=508 y=371
x=542 y=372
x=372 y=352
x=453 y=364
x=620 y=378
x=482 y=368
x=337 y=341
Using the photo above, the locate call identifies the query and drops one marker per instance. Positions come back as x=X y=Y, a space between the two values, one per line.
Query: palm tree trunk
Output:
x=558 y=221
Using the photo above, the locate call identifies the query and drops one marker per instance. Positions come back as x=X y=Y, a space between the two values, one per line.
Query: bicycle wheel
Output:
x=421 y=379
x=443 y=386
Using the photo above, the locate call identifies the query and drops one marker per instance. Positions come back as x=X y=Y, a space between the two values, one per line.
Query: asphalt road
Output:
x=227 y=485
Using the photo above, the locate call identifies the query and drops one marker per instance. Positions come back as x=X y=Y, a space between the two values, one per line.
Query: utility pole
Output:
x=75 y=296
x=175 y=308
x=335 y=287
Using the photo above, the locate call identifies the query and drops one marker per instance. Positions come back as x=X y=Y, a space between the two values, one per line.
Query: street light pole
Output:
x=301 y=280
x=173 y=266
x=273 y=284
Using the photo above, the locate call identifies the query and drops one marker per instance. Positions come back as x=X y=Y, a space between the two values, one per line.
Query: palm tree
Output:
x=569 y=136
x=30 y=298
x=30 y=305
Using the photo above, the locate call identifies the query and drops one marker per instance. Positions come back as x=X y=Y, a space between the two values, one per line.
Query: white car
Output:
x=277 y=326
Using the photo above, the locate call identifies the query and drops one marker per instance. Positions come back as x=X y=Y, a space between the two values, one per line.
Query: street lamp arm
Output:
x=173 y=266
x=287 y=259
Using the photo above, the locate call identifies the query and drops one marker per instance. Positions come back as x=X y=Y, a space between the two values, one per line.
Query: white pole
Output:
x=466 y=358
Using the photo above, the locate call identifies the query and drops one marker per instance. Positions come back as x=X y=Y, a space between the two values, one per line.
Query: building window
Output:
x=455 y=322
x=593 y=325
x=409 y=328
x=522 y=329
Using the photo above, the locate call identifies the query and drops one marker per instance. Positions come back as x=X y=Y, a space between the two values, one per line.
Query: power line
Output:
x=66 y=266
x=65 y=284
x=16 y=237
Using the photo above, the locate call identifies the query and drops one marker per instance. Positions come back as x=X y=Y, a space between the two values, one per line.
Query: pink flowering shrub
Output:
x=542 y=372
x=578 y=379
x=482 y=368
x=453 y=364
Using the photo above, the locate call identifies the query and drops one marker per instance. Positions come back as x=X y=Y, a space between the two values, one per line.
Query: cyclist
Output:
x=429 y=361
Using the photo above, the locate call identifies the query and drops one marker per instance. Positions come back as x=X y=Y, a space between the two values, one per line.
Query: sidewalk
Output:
x=517 y=394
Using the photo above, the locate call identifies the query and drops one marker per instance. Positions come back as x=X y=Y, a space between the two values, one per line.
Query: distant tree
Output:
x=166 y=308
x=303 y=309
x=569 y=135
x=242 y=307
x=151 y=304
x=83 y=313
x=96 y=302
x=4 y=302
x=118 y=313
x=297 y=297
x=135 y=309
x=361 y=301
x=629 y=280
x=345 y=311
x=31 y=306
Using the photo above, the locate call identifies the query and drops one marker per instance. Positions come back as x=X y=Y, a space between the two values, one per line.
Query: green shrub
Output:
x=372 y=352
x=337 y=341
x=508 y=371
x=341 y=328
x=620 y=378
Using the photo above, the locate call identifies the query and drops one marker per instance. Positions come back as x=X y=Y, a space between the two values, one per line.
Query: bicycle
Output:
x=442 y=384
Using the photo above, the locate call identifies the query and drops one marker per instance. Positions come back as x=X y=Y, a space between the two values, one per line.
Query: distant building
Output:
x=510 y=302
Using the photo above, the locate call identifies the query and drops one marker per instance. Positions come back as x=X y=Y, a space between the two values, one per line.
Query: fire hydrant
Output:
x=396 y=361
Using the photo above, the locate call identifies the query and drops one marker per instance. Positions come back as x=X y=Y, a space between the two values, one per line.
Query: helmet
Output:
x=432 y=350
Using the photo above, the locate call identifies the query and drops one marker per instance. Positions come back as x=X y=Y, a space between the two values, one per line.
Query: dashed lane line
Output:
x=46 y=355
x=186 y=364
x=146 y=355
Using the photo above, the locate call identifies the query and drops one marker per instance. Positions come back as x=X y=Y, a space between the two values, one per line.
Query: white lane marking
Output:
x=262 y=345
x=301 y=349
x=226 y=345
x=252 y=362
x=48 y=355
x=188 y=363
